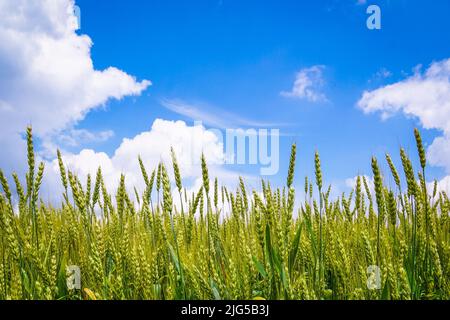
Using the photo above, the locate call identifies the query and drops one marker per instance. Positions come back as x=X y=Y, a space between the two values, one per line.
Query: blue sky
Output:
x=239 y=56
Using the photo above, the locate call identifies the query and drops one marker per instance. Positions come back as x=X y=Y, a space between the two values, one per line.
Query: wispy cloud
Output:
x=380 y=75
x=210 y=115
x=308 y=84
x=76 y=137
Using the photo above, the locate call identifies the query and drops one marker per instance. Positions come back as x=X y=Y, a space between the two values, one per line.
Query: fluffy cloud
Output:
x=152 y=146
x=307 y=85
x=425 y=96
x=48 y=79
x=47 y=76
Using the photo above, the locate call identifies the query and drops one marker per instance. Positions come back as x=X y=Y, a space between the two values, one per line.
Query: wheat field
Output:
x=391 y=244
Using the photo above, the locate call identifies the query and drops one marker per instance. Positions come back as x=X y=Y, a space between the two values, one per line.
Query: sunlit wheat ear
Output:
x=420 y=148
x=380 y=204
x=291 y=170
x=358 y=196
x=392 y=208
x=409 y=173
x=98 y=180
x=31 y=161
x=120 y=196
x=306 y=185
x=205 y=175
x=378 y=183
x=291 y=199
x=243 y=192
x=197 y=200
x=176 y=170
x=260 y=249
x=152 y=180
x=19 y=188
x=88 y=190
x=216 y=192
x=393 y=170
x=5 y=186
x=318 y=170
x=435 y=188
x=38 y=182
x=7 y=227
x=167 y=194
x=143 y=171
x=62 y=170
x=158 y=177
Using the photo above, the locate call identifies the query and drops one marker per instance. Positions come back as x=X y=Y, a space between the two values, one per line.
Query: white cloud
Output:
x=153 y=146
x=47 y=76
x=425 y=96
x=76 y=137
x=307 y=85
x=188 y=142
x=47 y=79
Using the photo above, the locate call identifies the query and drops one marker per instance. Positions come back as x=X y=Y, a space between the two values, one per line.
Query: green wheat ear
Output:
x=38 y=182
x=216 y=192
x=62 y=170
x=31 y=161
x=378 y=182
x=98 y=182
x=409 y=172
x=393 y=170
x=167 y=194
x=392 y=208
x=176 y=170
x=318 y=170
x=5 y=186
x=290 y=177
x=250 y=248
x=306 y=186
x=143 y=171
x=158 y=177
x=420 y=148
x=19 y=188
x=205 y=174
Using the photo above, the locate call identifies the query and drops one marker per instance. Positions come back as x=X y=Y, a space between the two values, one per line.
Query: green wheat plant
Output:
x=219 y=243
